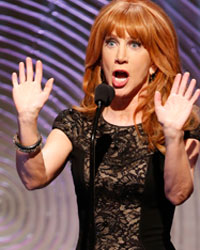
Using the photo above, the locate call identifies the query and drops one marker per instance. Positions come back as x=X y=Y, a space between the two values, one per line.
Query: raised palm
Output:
x=28 y=95
x=176 y=110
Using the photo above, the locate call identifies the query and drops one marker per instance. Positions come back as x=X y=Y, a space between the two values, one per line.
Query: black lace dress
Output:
x=131 y=211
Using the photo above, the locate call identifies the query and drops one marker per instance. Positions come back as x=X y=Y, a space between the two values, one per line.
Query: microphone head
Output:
x=104 y=93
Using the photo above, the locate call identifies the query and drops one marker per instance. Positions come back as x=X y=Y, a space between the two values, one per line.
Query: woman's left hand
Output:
x=176 y=110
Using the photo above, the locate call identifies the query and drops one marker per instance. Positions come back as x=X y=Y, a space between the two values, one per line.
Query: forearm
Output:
x=31 y=169
x=30 y=166
x=177 y=171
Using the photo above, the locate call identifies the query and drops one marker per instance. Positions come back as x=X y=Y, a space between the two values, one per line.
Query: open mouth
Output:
x=120 y=78
x=120 y=74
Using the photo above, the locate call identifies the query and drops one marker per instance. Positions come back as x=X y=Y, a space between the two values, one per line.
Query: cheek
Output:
x=107 y=72
x=106 y=64
x=142 y=65
x=107 y=58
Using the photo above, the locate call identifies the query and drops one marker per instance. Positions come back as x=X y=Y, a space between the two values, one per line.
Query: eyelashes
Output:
x=112 y=42
x=135 y=44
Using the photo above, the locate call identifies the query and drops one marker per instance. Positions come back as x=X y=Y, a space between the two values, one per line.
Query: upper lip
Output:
x=120 y=70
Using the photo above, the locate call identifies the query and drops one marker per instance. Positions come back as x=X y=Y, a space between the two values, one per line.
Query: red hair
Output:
x=148 y=23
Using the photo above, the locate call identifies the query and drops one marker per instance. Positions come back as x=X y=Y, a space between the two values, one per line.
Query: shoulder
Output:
x=70 y=120
x=67 y=114
x=70 y=116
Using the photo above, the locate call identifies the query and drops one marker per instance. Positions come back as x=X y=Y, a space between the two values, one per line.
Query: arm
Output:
x=38 y=168
x=180 y=160
x=181 y=156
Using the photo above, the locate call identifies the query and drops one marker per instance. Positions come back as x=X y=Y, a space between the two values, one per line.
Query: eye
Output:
x=110 y=42
x=135 y=44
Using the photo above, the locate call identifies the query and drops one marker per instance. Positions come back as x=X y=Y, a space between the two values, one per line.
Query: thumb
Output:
x=48 y=86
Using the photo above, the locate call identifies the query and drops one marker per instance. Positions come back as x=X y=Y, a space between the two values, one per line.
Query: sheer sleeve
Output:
x=67 y=121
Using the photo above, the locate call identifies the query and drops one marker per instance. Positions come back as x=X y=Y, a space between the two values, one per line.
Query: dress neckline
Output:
x=120 y=126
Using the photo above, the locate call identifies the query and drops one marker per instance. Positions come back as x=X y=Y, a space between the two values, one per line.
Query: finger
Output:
x=157 y=100
x=175 y=86
x=195 y=96
x=22 y=77
x=183 y=83
x=48 y=86
x=29 y=69
x=14 y=79
x=38 y=72
x=190 y=89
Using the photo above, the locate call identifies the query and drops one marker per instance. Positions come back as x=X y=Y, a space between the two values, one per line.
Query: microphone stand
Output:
x=92 y=173
x=103 y=97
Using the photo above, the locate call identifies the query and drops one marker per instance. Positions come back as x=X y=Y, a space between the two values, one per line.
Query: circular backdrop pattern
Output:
x=56 y=32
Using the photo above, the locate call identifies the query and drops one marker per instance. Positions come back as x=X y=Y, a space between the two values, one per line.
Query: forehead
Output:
x=126 y=29
x=116 y=34
x=122 y=32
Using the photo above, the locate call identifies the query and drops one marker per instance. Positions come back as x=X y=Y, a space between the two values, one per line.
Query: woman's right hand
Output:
x=28 y=95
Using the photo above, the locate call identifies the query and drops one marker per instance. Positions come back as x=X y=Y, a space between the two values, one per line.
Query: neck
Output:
x=122 y=109
x=122 y=114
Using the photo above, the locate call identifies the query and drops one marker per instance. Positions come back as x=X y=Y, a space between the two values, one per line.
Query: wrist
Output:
x=28 y=131
x=27 y=118
x=173 y=135
x=36 y=146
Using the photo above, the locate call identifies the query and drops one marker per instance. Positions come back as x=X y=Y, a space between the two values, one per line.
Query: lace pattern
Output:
x=122 y=160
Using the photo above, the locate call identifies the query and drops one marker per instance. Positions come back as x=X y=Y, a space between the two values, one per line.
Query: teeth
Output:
x=120 y=79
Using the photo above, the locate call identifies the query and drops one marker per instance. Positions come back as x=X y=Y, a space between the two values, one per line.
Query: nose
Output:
x=121 y=55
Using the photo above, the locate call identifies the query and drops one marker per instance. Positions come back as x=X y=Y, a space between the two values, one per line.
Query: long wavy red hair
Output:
x=147 y=22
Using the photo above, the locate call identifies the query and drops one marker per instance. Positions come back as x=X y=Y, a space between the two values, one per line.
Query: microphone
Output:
x=104 y=95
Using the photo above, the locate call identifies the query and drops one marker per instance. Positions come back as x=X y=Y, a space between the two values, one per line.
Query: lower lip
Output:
x=119 y=84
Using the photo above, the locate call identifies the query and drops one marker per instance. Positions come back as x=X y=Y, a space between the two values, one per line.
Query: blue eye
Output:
x=110 y=42
x=135 y=44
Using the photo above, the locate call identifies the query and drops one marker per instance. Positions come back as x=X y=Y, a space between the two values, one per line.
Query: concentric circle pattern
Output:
x=56 y=32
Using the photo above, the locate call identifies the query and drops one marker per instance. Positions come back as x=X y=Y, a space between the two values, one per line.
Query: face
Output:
x=126 y=64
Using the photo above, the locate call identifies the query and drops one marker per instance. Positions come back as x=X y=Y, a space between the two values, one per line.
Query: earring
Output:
x=152 y=77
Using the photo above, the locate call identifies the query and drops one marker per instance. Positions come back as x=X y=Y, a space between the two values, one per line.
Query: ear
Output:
x=152 y=69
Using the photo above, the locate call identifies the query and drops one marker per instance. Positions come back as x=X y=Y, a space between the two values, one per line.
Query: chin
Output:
x=121 y=91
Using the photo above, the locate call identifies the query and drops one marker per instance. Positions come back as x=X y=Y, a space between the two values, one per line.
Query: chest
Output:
x=121 y=161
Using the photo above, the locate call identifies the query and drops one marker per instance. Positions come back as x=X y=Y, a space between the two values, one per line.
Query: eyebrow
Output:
x=111 y=36
x=127 y=39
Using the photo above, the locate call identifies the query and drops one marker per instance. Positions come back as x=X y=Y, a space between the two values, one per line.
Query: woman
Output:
x=146 y=139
